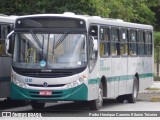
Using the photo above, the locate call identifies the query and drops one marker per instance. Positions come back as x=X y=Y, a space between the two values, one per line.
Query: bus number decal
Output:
x=28 y=80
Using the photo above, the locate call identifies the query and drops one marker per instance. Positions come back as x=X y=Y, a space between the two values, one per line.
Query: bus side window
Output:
x=133 y=42
x=93 y=39
x=141 y=42
x=124 y=42
x=3 y=34
x=104 y=42
x=115 y=43
x=1 y=47
x=93 y=31
x=148 y=44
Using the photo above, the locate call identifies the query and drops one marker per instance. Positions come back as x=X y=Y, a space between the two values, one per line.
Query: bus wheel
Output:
x=132 y=98
x=97 y=104
x=36 y=105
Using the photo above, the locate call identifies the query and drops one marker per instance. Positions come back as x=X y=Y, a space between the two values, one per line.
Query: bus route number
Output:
x=28 y=80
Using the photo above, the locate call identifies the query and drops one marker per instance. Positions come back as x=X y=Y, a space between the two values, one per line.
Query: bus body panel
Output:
x=6 y=23
x=31 y=91
x=79 y=93
x=5 y=88
x=5 y=65
x=123 y=80
x=119 y=71
x=93 y=82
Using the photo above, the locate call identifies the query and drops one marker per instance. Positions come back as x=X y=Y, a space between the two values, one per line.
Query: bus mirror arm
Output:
x=7 y=43
x=7 y=47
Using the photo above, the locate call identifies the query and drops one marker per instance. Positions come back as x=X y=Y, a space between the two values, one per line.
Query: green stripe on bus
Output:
x=4 y=79
x=120 y=78
x=94 y=81
x=146 y=75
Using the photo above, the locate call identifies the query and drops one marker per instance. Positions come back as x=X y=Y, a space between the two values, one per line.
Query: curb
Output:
x=149 y=95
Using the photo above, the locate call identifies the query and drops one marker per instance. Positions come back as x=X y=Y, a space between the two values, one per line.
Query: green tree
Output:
x=129 y=10
x=142 y=13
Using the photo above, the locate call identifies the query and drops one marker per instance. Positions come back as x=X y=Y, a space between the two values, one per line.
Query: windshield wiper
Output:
x=37 y=40
x=61 y=39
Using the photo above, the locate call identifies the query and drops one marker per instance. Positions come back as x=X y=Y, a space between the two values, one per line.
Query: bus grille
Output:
x=48 y=74
x=53 y=73
x=35 y=85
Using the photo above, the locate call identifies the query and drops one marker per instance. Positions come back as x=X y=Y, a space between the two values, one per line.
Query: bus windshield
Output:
x=49 y=51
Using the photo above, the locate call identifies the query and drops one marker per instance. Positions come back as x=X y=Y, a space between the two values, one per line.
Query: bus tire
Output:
x=37 y=106
x=97 y=104
x=132 y=98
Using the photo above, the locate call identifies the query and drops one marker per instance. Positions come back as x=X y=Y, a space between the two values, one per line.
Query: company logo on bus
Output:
x=45 y=84
x=43 y=63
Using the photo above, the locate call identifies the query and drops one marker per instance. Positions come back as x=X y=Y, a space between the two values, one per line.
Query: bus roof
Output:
x=95 y=20
x=7 y=19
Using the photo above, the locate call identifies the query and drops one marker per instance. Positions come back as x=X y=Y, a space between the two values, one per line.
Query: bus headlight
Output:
x=17 y=82
x=80 y=81
x=73 y=84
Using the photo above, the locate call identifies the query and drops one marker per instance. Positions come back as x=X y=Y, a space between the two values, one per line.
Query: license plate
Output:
x=45 y=93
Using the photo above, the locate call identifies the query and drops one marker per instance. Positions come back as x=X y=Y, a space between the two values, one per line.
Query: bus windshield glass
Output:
x=49 y=51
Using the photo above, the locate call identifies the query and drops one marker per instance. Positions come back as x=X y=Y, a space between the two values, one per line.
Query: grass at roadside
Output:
x=153 y=89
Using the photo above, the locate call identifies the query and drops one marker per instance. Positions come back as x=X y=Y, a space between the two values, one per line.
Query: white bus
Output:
x=68 y=57
x=6 y=26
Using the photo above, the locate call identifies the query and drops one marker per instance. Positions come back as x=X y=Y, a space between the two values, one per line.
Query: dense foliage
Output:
x=140 y=11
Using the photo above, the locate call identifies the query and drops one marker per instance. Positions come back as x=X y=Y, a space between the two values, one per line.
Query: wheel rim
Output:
x=135 y=90
x=100 y=97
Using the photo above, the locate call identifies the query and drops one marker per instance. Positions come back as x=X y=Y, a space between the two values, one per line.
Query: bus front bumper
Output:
x=79 y=93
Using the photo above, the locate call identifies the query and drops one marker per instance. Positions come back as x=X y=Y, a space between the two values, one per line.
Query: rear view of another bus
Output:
x=6 y=25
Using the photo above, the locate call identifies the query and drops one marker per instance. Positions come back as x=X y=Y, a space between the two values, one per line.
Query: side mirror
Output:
x=7 y=43
x=94 y=43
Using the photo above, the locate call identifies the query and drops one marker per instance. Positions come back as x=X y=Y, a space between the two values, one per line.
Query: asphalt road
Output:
x=80 y=109
x=65 y=110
